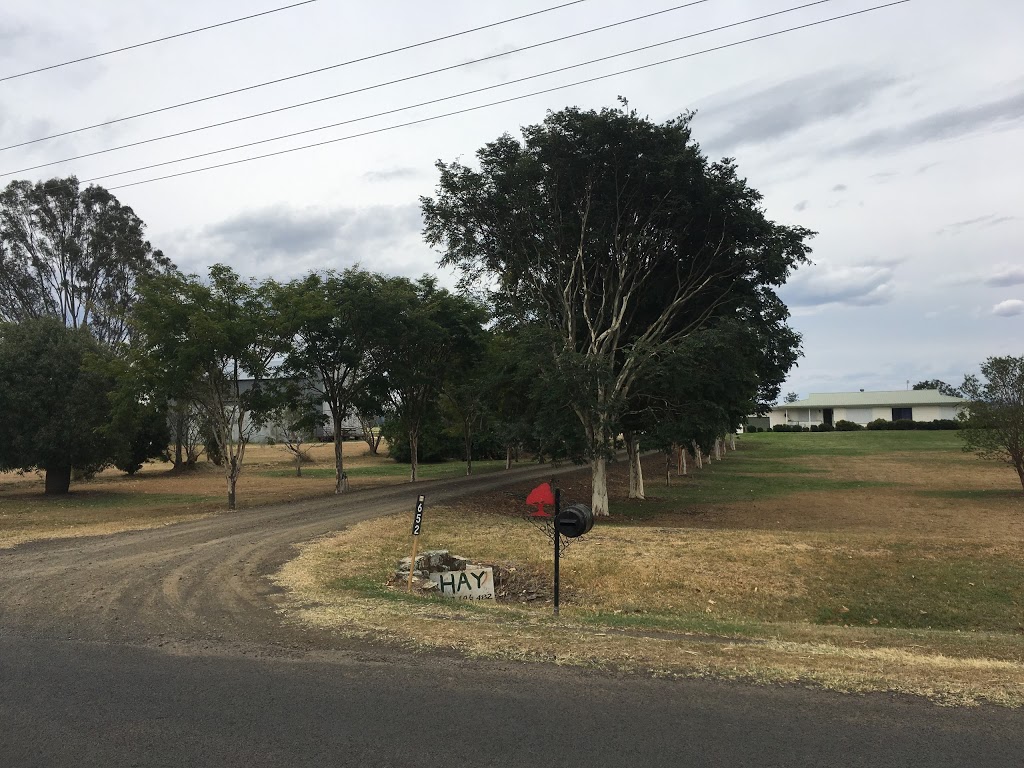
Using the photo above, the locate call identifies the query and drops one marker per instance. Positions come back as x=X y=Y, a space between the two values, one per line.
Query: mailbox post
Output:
x=570 y=523
x=558 y=543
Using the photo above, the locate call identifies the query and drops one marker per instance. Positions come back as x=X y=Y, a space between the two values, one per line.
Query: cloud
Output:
x=1006 y=276
x=839 y=188
x=801 y=206
x=1009 y=308
x=14 y=128
x=284 y=242
x=751 y=115
x=948 y=124
x=821 y=284
x=988 y=220
x=13 y=32
x=392 y=174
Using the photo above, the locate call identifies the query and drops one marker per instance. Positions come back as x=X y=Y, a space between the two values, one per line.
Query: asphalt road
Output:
x=163 y=648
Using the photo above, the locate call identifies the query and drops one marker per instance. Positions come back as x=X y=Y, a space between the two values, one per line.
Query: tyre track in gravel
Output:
x=200 y=585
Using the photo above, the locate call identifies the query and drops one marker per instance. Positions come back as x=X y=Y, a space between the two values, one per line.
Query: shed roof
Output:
x=897 y=397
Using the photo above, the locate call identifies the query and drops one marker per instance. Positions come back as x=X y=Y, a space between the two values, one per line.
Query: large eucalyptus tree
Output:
x=615 y=233
x=73 y=254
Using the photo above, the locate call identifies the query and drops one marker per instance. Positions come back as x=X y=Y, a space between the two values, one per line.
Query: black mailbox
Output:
x=575 y=520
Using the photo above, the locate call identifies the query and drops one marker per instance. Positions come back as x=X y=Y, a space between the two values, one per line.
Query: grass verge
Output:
x=787 y=562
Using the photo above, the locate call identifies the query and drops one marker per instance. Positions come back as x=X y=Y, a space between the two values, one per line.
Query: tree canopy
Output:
x=72 y=254
x=616 y=234
x=214 y=344
x=943 y=387
x=337 y=325
x=54 y=401
x=436 y=335
x=992 y=422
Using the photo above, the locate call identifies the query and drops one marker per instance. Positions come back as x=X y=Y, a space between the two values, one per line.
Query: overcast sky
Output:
x=898 y=135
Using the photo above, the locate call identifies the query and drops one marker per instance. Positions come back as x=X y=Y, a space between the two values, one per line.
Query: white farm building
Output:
x=864 y=407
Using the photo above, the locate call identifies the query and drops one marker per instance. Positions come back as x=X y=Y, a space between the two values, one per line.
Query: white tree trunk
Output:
x=599 y=486
x=636 y=472
x=732 y=440
x=718 y=449
x=698 y=456
x=682 y=459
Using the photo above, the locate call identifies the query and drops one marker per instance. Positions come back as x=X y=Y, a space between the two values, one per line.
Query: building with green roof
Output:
x=864 y=407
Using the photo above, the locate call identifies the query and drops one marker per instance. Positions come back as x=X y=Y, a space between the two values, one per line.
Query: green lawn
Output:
x=779 y=445
x=862 y=561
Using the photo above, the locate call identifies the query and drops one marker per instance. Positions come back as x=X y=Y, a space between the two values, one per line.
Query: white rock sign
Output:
x=474 y=583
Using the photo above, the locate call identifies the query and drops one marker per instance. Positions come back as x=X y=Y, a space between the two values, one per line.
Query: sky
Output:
x=896 y=135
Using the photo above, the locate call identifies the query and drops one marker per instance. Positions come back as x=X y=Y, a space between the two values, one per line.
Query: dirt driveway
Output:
x=196 y=585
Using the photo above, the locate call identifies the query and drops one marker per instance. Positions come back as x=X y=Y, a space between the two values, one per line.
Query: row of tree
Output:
x=615 y=282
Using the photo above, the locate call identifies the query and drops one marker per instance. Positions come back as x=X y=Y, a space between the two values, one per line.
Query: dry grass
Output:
x=903 y=586
x=335 y=584
x=155 y=496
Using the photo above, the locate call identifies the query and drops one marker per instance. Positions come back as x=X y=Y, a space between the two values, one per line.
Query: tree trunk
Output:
x=468 y=437
x=298 y=464
x=413 y=454
x=636 y=474
x=698 y=456
x=682 y=459
x=508 y=456
x=58 y=480
x=732 y=440
x=178 y=432
x=369 y=437
x=668 y=468
x=718 y=449
x=232 y=479
x=599 y=486
x=339 y=464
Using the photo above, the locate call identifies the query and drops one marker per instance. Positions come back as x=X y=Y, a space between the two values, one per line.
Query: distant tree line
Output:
x=616 y=285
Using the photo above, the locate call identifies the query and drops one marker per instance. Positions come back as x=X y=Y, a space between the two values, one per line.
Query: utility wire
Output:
x=483 y=106
x=415 y=77
x=297 y=75
x=157 y=40
x=431 y=101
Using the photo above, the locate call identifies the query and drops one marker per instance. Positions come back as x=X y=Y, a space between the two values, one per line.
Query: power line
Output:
x=298 y=75
x=437 y=100
x=485 y=106
x=407 y=79
x=157 y=40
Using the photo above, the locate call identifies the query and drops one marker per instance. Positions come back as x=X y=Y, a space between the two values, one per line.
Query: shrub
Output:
x=905 y=424
x=435 y=444
x=826 y=428
x=814 y=427
x=847 y=426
